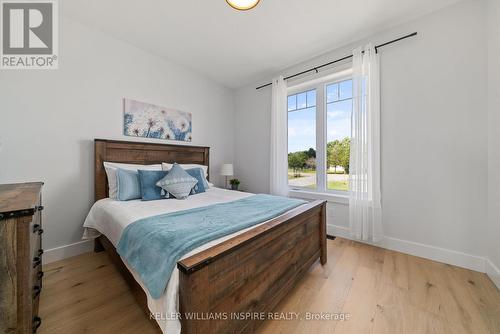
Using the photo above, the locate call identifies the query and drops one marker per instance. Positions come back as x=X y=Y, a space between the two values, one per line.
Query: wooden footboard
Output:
x=231 y=287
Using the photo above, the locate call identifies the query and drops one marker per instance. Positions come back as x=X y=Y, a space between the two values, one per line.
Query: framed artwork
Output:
x=147 y=120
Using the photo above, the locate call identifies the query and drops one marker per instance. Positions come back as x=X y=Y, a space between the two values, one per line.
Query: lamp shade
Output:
x=227 y=170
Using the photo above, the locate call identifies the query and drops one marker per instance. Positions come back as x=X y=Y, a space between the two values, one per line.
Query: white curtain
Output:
x=365 y=211
x=279 y=137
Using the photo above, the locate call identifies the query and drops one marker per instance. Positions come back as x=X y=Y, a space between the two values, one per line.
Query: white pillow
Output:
x=166 y=167
x=111 y=168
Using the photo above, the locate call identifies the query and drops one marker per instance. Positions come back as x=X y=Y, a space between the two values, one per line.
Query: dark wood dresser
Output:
x=20 y=256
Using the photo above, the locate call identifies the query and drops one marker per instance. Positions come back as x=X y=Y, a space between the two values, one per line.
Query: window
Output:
x=302 y=139
x=319 y=131
x=338 y=134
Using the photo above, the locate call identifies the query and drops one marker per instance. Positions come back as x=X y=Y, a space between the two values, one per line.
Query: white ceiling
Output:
x=237 y=48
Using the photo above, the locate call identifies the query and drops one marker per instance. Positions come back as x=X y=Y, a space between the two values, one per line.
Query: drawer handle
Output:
x=40 y=274
x=37 y=261
x=36 y=291
x=40 y=252
x=36 y=228
x=37 y=321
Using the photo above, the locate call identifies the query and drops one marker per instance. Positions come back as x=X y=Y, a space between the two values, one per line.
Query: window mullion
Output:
x=321 y=138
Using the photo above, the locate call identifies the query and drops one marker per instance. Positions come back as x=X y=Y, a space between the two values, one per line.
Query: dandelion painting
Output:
x=150 y=121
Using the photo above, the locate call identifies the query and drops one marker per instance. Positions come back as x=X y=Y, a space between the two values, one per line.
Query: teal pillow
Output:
x=149 y=190
x=128 y=185
x=199 y=175
x=177 y=183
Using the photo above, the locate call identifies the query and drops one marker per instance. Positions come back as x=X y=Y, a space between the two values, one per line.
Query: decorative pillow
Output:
x=167 y=166
x=202 y=184
x=111 y=168
x=177 y=183
x=148 y=178
x=128 y=185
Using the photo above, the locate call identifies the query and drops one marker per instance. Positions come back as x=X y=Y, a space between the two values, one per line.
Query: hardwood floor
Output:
x=382 y=292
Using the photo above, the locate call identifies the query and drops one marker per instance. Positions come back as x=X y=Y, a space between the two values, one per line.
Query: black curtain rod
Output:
x=340 y=59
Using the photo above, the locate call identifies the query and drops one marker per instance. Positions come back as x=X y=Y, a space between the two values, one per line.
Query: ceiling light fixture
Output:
x=243 y=4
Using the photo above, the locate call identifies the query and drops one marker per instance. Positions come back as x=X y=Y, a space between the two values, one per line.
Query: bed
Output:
x=222 y=282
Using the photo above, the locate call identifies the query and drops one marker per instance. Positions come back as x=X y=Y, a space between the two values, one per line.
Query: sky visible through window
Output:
x=338 y=110
x=302 y=121
x=302 y=116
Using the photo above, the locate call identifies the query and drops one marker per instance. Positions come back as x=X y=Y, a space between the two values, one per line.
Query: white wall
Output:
x=434 y=139
x=493 y=230
x=50 y=118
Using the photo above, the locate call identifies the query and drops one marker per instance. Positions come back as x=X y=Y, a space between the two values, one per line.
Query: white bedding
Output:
x=110 y=217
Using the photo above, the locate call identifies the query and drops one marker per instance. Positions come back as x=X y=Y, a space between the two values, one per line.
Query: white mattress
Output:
x=110 y=217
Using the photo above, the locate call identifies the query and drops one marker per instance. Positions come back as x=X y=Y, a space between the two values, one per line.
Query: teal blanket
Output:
x=153 y=245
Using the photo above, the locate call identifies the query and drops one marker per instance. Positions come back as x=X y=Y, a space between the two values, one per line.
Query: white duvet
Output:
x=110 y=217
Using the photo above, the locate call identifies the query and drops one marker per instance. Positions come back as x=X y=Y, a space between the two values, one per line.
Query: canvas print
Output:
x=147 y=120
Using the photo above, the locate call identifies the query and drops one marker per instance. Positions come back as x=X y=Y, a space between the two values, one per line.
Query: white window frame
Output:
x=320 y=84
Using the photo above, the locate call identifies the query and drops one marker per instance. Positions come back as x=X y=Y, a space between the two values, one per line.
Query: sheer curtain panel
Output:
x=365 y=211
x=279 y=142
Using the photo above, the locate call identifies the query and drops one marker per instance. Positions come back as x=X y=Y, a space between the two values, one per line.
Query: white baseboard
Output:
x=493 y=273
x=448 y=256
x=63 y=252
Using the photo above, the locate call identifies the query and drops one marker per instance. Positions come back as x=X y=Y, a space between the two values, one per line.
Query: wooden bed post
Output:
x=322 y=236
x=98 y=247
x=194 y=301
x=100 y=179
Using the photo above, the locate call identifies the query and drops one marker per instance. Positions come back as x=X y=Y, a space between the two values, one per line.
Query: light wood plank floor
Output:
x=382 y=291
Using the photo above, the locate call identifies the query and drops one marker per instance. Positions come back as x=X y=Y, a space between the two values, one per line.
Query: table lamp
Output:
x=227 y=170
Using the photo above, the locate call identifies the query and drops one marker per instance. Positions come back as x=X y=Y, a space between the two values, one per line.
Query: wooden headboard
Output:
x=141 y=153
